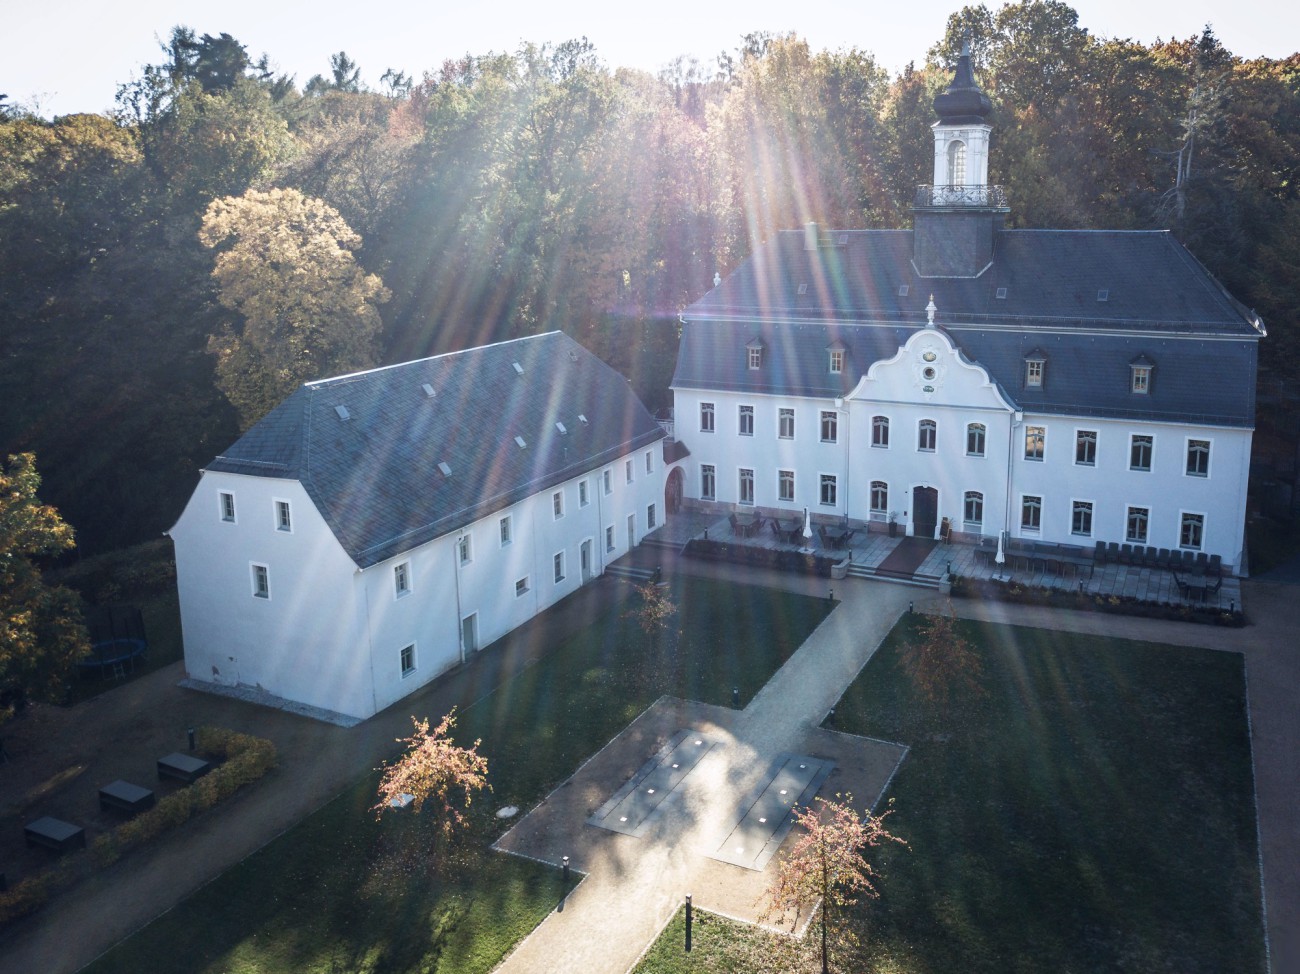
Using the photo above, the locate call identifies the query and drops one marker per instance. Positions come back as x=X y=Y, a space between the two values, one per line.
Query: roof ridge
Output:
x=329 y=380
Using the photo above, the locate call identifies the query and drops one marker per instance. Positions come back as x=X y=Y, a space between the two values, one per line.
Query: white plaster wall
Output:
x=1166 y=490
x=284 y=645
x=764 y=452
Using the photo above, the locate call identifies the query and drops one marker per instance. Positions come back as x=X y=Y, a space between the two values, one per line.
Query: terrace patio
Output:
x=872 y=553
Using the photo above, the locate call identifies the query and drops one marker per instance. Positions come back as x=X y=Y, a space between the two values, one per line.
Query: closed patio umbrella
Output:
x=807 y=524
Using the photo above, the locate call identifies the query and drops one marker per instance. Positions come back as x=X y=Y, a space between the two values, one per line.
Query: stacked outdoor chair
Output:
x=1216 y=567
x=1099 y=553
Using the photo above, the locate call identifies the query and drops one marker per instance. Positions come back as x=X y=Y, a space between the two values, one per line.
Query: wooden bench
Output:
x=183 y=766
x=54 y=834
x=124 y=797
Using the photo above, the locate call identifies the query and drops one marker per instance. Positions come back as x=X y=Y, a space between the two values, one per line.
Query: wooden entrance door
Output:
x=925 y=511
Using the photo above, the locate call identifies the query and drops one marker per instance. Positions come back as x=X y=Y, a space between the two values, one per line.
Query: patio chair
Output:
x=1099 y=553
x=1182 y=586
x=821 y=533
x=1202 y=563
x=1126 y=554
x=1162 y=558
x=1216 y=567
x=735 y=524
x=1187 y=561
x=757 y=526
x=1112 y=552
x=776 y=530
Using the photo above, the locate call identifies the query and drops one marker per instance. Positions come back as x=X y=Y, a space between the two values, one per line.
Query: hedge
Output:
x=782 y=559
x=244 y=759
x=963 y=587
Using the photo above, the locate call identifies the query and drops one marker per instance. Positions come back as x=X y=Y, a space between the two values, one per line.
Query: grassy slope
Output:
x=341 y=892
x=1094 y=812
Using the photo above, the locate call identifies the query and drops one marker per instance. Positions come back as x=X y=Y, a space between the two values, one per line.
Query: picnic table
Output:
x=54 y=834
x=183 y=766
x=790 y=533
x=124 y=797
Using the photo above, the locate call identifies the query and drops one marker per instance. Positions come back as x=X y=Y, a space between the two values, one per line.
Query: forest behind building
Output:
x=171 y=270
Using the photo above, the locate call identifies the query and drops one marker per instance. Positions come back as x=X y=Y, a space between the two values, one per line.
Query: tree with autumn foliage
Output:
x=827 y=865
x=434 y=770
x=41 y=631
x=941 y=662
x=285 y=264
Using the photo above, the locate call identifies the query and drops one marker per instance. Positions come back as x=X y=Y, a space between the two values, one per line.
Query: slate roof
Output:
x=864 y=291
x=375 y=476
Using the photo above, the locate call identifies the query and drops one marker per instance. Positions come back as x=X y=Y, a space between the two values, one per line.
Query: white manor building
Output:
x=1062 y=386
x=375 y=529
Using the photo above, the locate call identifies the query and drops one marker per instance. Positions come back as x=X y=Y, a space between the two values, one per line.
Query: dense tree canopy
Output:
x=41 y=634
x=506 y=194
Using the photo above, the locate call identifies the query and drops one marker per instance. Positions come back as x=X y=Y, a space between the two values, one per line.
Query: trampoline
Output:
x=112 y=657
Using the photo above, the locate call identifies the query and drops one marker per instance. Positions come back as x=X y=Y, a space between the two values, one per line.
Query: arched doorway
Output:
x=673 y=490
x=925 y=511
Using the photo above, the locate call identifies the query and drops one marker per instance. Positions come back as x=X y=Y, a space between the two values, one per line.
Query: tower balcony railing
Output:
x=976 y=197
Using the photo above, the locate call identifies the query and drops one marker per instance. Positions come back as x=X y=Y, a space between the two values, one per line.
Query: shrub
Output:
x=1118 y=604
x=778 y=558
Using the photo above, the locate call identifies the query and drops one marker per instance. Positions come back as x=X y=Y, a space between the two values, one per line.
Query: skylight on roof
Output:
x=520 y=441
x=842 y=239
x=343 y=412
x=903 y=289
x=582 y=419
x=561 y=427
x=519 y=368
x=1103 y=295
x=1001 y=294
x=446 y=470
x=803 y=288
x=428 y=390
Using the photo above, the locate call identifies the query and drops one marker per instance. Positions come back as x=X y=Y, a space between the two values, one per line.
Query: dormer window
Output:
x=835 y=357
x=754 y=354
x=1035 y=369
x=1140 y=370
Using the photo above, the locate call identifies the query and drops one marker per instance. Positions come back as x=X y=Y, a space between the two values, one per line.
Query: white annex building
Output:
x=1062 y=386
x=375 y=529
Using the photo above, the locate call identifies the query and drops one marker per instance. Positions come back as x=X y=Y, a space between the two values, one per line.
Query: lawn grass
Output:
x=340 y=892
x=1093 y=812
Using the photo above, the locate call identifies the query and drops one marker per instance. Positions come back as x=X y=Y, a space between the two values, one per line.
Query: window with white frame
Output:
x=706 y=417
x=829 y=490
x=708 y=482
x=1034 y=372
x=521 y=586
x=785 y=424
x=746 y=421
x=557 y=504
x=973 y=507
x=650 y=520
x=227 y=506
x=880 y=431
x=649 y=461
x=1031 y=513
x=608 y=482
x=609 y=538
x=927 y=431
x=402 y=579
x=584 y=494
x=1198 y=458
x=1035 y=442
x=1135 y=529
x=465 y=549
x=506 y=528
x=1085 y=448
x=755 y=356
x=1141 y=379
x=283 y=520
x=557 y=562
x=830 y=426
x=407 y=659
x=836 y=361
x=628 y=470
x=261 y=582
x=785 y=485
x=879 y=497
x=1081 y=519
x=1192 y=532
x=975 y=435
x=746 y=486
x=1140 y=447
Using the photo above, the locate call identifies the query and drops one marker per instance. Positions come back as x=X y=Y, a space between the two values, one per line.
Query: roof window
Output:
x=803 y=288
x=1001 y=294
x=582 y=419
x=903 y=290
x=561 y=427
x=1103 y=294
x=446 y=470
x=519 y=440
x=343 y=412
x=428 y=390
x=519 y=368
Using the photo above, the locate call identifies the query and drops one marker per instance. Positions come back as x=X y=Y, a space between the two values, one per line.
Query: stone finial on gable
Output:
x=930 y=309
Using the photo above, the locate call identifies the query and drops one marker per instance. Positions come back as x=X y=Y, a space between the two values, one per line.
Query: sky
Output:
x=63 y=56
